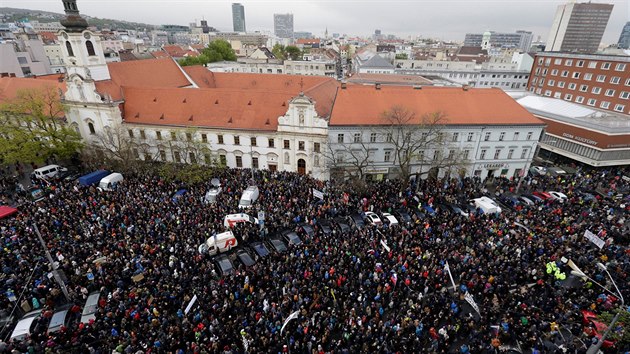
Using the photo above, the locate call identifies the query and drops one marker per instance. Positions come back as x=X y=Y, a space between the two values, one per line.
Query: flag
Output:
x=385 y=246
x=394 y=278
x=448 y=269
x=472 y=302
x=291 y=316
x=190 y=304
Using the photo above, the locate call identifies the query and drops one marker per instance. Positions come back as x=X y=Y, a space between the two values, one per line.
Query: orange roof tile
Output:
x=217 y=108
x=9 y=86
x=364 y=105
x=159 y=54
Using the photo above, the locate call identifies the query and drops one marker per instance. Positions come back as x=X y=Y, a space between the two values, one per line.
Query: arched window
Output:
x=69 y=48
x=91 y=127
x=90 y=48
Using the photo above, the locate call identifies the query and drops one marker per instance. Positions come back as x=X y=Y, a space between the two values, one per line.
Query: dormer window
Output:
x=90 y=48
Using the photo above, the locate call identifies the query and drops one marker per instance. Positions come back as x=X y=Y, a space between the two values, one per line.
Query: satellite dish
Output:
x=215 y=182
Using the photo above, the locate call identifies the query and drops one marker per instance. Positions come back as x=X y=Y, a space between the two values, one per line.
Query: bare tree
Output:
x=350 y=161
x=191 y=148
x=116 y=146
x=419 y=142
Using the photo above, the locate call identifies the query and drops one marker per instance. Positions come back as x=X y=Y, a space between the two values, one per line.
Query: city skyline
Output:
x=419 y=18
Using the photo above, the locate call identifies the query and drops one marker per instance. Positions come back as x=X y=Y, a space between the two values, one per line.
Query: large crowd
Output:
x=373 y=289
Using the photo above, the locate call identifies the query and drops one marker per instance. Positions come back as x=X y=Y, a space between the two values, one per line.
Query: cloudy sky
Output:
x=445 y=19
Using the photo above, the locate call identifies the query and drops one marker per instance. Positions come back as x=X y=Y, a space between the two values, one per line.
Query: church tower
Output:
x=82 y=51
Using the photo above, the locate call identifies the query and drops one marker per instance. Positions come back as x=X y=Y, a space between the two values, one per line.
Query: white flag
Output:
x=190 y=304
x=385 y=246
x=291 y=316
x=472 y=302
x=448 y=269
x=595 y=239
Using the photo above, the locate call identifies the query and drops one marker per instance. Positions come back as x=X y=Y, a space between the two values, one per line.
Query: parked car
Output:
x=402 y=215
x=356 y=220
x=260 y=249
x=558 y=195
x=26 y=326
x=291 y=237
x=456 y=209
x=342 y=224
x=389 y=219
x=245 y=257
x=543 y=195
x=538 y=170
x=533 y=198
x=307 y=229
x=525 y=200
x=509 y=200
x=372 y=218
x=276 y=243
x=90 y=308
x=60 y=319
x=224 y=264
x=325 y=225
x=555 y=171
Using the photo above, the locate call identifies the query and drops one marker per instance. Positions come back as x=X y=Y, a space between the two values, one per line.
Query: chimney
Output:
x=465 y=87
x=417 y=87
x=11 y=74
x=343 y=85
x=377 y=85
x=4 y=74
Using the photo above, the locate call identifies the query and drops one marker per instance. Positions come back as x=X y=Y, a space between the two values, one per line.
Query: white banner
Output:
x=291 y=316
x=593 y=238
x=318 y=194
x=190 y=304
x=472 y=302
x=385 y=246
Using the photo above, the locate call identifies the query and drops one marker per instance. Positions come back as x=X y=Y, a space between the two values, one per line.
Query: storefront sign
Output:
x=495 y=165
x=580 y=139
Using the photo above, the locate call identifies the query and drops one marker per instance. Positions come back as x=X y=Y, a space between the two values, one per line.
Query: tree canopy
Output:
x=33 y=127
x=289 y=52
x=218 y=50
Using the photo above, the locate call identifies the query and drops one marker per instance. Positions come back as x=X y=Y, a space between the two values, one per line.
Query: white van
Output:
x=222 y=242
x=487 y=205
x=250 y=195
x=110 y=181
x=232 y=219
x=49 y=171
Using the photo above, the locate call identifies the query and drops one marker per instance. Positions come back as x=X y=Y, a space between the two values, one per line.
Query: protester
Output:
x=377 y=289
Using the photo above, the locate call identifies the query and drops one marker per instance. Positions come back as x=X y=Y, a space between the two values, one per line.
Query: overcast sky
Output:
x=445 y=19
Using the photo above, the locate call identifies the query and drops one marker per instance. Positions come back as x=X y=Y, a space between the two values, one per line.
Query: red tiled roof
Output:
x=48 y=37
x=176 y=51
x=9 y=86
x=308 y=41
x=159 y=54
x=364 y=105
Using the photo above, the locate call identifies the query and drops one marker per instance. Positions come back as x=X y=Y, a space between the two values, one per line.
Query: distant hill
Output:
x=10 y=14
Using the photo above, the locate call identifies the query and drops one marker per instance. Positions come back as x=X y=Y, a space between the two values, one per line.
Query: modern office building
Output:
x=578 y=27
x=238 y=17
x=598 y=81
x=624 y=37
x=283 y=25
x=520 y=39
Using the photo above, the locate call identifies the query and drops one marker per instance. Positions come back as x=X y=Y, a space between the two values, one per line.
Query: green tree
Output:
x=278 y=51
x=219 y=50
x=402 y=56
x=293 y=52
x=33 y=128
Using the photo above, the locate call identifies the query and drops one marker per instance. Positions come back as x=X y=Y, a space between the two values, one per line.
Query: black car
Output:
x=291 y=237
x=456 y=209
x=325 y=225
x=224 y=264
x=356 y=220
x=442 y=208
x=245 y=257
x=308 y=229
x=260 y=249
x=402 y=216
x=276 y=243
x=342 y=224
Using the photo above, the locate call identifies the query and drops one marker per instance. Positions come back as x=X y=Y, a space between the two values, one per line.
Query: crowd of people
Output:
x=384 y=289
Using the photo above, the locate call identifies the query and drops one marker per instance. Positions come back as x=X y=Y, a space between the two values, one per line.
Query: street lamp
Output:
x=594 y=348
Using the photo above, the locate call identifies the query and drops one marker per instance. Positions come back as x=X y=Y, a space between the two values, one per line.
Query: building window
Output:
x=287 y=144
x=572 y=86
x=272 y=142
x=610 y=92
x=624 y=95
x=436 y=155
x=565 y=73
x=340 y=138
x=620 y=67
x=90 y=48
x=130 y=131
x=176 y=156
x=482 y=156
x=466 y=153
x=470 y=136
x=192 y=157
x=510 y=153
x=619 y=107
x=373 y=137
x=561 y=84
x=568 y=62
x=173 y=136
x=451 y=154
x=158 y=135
x=524 y=153
x=591 y=102
x=516 y=134
x=255 y=162
x=604 y=105
x=501 y=136
x=588 y=76
x=237 y=140
x=239 y=161
x=389 y=138
x=580 y=63
x=204 y=138
x=628 y=82
x=583 y=88
x=550 y=83
x=223 y=160
x=207 y=159
x=388 y=155
x=529 y=135
x=142 y=135
x=592 y=64
x=579 y=99
x=91 y=128
x=568 y=97
x=220 y=138
x=188 y=136
x=576 y=75
x=596 y=90
x=69 y=48
x=455 y=137
x=162 y=155
x=601 y=78
x=554 y=72
x=487 y=137
x=316 y=147
x=605 y=66
x=252 y=141
x=497 y=152
x=301 y=145
x=357 y=137
x=615 y=80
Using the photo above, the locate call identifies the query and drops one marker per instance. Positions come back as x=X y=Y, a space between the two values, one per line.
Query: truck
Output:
x=93 y=178
x=218 y=243
x=487 y=205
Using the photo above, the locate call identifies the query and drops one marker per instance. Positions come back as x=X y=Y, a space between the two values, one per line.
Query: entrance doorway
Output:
x=301 y=167
x=273 y=168
x=491 y=173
